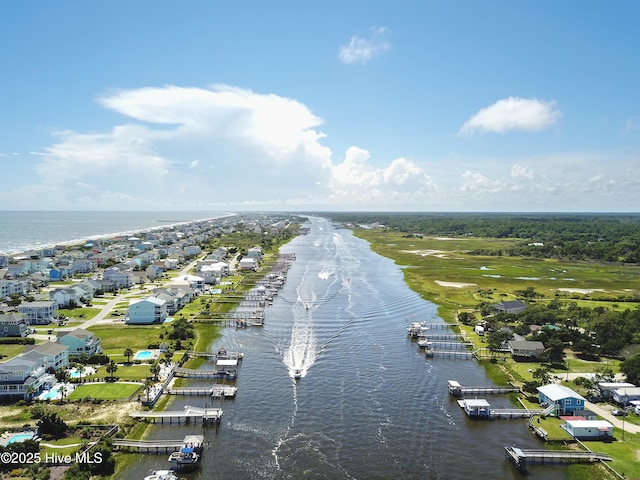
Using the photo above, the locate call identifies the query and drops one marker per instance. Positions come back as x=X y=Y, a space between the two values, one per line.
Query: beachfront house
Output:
x=525 y=349
x=39 y=313
x=589 y=429
x=79 y=341
x=565 y=400
x=52 y=355
x=13 y=325
x=146 y=311
x=512 y=306
x=21 y=375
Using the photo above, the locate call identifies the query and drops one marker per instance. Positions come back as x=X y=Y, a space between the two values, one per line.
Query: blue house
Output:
x=565 y=400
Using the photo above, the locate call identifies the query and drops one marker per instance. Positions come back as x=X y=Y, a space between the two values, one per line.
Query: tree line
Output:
x=575 y=236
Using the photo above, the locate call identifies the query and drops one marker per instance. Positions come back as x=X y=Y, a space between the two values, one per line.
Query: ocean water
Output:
x=23 y=231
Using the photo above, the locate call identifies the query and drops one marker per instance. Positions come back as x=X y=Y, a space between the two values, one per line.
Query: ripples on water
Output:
x=369 y=405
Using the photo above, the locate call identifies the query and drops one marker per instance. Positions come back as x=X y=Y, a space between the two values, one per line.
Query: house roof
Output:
x=599 y=424
x=511 y=304
x=154 y=300
x=476 y=402
x=526 y=345
x=556 y=392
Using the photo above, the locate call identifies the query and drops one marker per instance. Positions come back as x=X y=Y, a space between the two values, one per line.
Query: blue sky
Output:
x=333 y=105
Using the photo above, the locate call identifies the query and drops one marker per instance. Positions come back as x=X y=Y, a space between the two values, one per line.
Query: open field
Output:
x=121 y=336
x=104 y=391
x=443 y=271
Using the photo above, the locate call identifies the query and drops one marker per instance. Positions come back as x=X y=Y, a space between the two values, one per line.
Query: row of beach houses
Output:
x=132 y=260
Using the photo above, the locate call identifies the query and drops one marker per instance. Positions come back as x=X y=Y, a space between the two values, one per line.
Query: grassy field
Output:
x=444 y=272
x=119 y=337
x=105 y=391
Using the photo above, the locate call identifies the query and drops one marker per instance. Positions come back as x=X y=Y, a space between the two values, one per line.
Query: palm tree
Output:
x=128 y=353
x=111 y=368
x=155 y=370
x=31 y=391
x=148 y=383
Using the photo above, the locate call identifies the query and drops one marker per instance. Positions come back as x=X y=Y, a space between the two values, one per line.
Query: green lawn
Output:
x=104 y=391
x=120 y=337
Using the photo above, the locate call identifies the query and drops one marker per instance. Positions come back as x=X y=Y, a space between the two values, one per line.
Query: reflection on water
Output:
x=369 y=405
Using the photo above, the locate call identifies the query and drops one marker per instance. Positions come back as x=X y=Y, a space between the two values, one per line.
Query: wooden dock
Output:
x=222 y=354
x=442 y=336
x=521 y=457
x=458 y=390
x=460 y=354
x=228 y=374
x=215 y=390
x=148 y=446
x=445 y=345
x=207 y=415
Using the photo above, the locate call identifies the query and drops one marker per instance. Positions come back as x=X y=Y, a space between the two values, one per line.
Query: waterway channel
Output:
x=369 y=406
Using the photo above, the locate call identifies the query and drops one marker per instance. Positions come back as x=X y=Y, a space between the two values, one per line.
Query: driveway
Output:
x=605 y=412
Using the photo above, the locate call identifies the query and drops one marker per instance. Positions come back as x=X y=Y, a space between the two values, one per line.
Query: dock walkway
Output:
x=215 y=390
x=458 y=390
x=521 y=457
x=212 y=415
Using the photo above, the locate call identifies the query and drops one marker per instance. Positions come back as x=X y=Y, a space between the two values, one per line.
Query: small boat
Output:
x=162 y=475
x=297 y=373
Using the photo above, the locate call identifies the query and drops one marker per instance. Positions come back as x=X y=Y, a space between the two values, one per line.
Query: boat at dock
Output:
x=162 y=475
x=417 y=329
x=190 y=454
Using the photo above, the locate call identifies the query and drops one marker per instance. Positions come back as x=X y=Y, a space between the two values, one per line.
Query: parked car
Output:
x=619 y=413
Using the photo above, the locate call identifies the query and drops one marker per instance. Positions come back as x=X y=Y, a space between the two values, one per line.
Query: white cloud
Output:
x=361 y=50
x=513 y=113
x=357 y=182
x=518 y=171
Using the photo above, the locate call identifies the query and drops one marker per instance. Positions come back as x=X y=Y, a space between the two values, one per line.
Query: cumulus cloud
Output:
x=513 y=113
x=356 y=181
x=361 y=50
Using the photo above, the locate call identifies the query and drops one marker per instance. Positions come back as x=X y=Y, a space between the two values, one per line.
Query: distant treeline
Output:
x=578 y=236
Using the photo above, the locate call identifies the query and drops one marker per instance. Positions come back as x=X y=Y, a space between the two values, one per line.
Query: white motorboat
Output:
x=162 y=475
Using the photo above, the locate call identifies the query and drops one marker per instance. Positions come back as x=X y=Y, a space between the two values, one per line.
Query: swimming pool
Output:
x=51 y=394
x=20 y=437
x=146 y=355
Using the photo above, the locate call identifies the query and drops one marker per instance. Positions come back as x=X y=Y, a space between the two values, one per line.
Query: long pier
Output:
x=442 y=336
x=148 y=446
x=521 y=457
x=212 y=415
x=216 y=390
x=458 y=390
x=212 y=357
x=461 y=354
x=207 y=373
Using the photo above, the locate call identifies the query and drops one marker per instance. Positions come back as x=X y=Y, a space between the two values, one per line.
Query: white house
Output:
x=589 y=429
x=247 y=263
x=145 y=311
x=64 y=296
x=607 y=388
